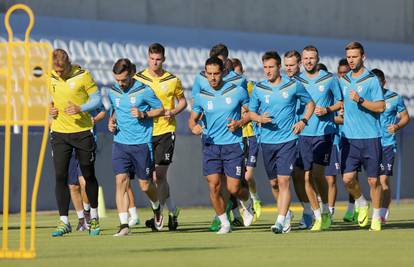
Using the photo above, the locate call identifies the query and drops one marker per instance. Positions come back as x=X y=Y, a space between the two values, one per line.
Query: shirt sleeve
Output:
x=197 y=106
x=301 y=93
x=400 y=104
x=89 y=84
x=243 y=83
x=376 y=90
x=179 y=92
x=196 y=87
x=336 y=90
x=244 y=97
x=254 y=102
x=151 y=99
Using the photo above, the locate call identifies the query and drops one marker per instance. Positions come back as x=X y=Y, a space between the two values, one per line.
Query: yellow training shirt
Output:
x=167 y=88
x=248 y=128
x=76 y=89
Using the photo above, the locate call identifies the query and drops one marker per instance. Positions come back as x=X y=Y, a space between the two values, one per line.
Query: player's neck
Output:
x=358 y=71
x=218 y=87
x=275 y=81
x=312 y=73
x=156 y=73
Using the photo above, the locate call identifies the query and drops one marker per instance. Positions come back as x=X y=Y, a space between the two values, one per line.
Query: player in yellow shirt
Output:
x=168 y=89
x=251 y=146
x=74 y=93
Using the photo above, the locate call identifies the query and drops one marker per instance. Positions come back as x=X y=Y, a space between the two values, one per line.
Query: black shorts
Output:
x=163 y=146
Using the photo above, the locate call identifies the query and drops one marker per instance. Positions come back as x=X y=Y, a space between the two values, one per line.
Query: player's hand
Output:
x=112 y=125
x=341 y=112
x=353 y=95
x=298 y=127
x=264 y=118
x=53 y=112
x=72 y=109
x=197 y=129
x=320 y=111
x=136 y=113
x=233 y=125
x=169 y=115
x=393 y=128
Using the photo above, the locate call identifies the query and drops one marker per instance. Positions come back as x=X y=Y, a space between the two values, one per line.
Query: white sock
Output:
x=86 y=206
x=171 y=205
x=281 y=219
x=254 y=196
x=133 y=212
x=361 y=202
x=94 y=213
x=64 y=219
x=350 y=207
x=383 y=212
x=155 y=204
x=80 y=214
x=376 y=214
x=123 y=217
x=332 y=210
x=236 y=213
x=223 y=219
x=325 y=208
x=317 y=214
x=307 y=208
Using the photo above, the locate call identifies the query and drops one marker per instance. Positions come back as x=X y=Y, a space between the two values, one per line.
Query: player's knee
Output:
x=233 y=189
x=373 y=182
x=145 y=186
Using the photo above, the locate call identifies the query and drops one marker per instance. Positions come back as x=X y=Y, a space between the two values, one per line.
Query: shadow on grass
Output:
x=174 y=249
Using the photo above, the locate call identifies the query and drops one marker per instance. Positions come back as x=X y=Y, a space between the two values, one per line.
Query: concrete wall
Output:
x=354 y=19
x=188 y=187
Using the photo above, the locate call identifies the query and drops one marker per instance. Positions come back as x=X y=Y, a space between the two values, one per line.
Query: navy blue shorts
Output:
x=315 y=149
x=137 y=158
x=334 y=167
x=361 y=152
x=251 y=149
x=279 y=159
x=387 y=164
x=223 y=159
x=74 y=170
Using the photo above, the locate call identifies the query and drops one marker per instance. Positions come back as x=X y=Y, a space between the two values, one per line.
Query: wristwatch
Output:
x=305 y=121
x=361 y=100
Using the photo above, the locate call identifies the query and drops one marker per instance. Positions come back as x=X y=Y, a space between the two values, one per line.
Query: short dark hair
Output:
x=379 y=73
x=321 y=66
x=355 y=45
x=236 y=63
x=215 y=61
x=122 y=65
x=293 y=53
x=272 y=55
x=311 y=48
x=343 y=62
x=156 y=48
x=219 y=50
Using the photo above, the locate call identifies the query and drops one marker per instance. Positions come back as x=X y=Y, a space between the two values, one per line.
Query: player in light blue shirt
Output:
x=220 y=103
x=315 y=142
x=273 y=106
x=134 y=105
x=390 y=124
x=361 y=142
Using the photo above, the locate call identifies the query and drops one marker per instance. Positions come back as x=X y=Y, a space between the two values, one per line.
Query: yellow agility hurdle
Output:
x=24 y=80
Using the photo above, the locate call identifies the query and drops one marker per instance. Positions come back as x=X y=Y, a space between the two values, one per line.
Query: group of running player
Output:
x=311 y=125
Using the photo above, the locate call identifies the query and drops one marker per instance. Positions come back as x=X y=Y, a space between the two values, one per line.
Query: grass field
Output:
x=194 y=245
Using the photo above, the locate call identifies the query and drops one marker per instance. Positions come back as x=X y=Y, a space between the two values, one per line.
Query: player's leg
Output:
x=122 y=202
x=252 y=150
x=84 y=143
x=299 y=184
x=132 y=209
x=61 y=152
x=85 y=200
x=388 y=154
x=331 y=171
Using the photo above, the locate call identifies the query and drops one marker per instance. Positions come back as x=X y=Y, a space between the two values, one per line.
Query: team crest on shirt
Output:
x=228 y=100
x=267 y=99
x=210 y=105
x=359 y=88
x=285 y=94
x=321 y=88
x=72 y=85
x=133 y=100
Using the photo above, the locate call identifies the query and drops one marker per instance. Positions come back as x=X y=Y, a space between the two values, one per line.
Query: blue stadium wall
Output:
x=187 y=184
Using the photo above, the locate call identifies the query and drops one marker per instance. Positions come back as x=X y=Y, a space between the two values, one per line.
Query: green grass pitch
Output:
x=194 y=245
